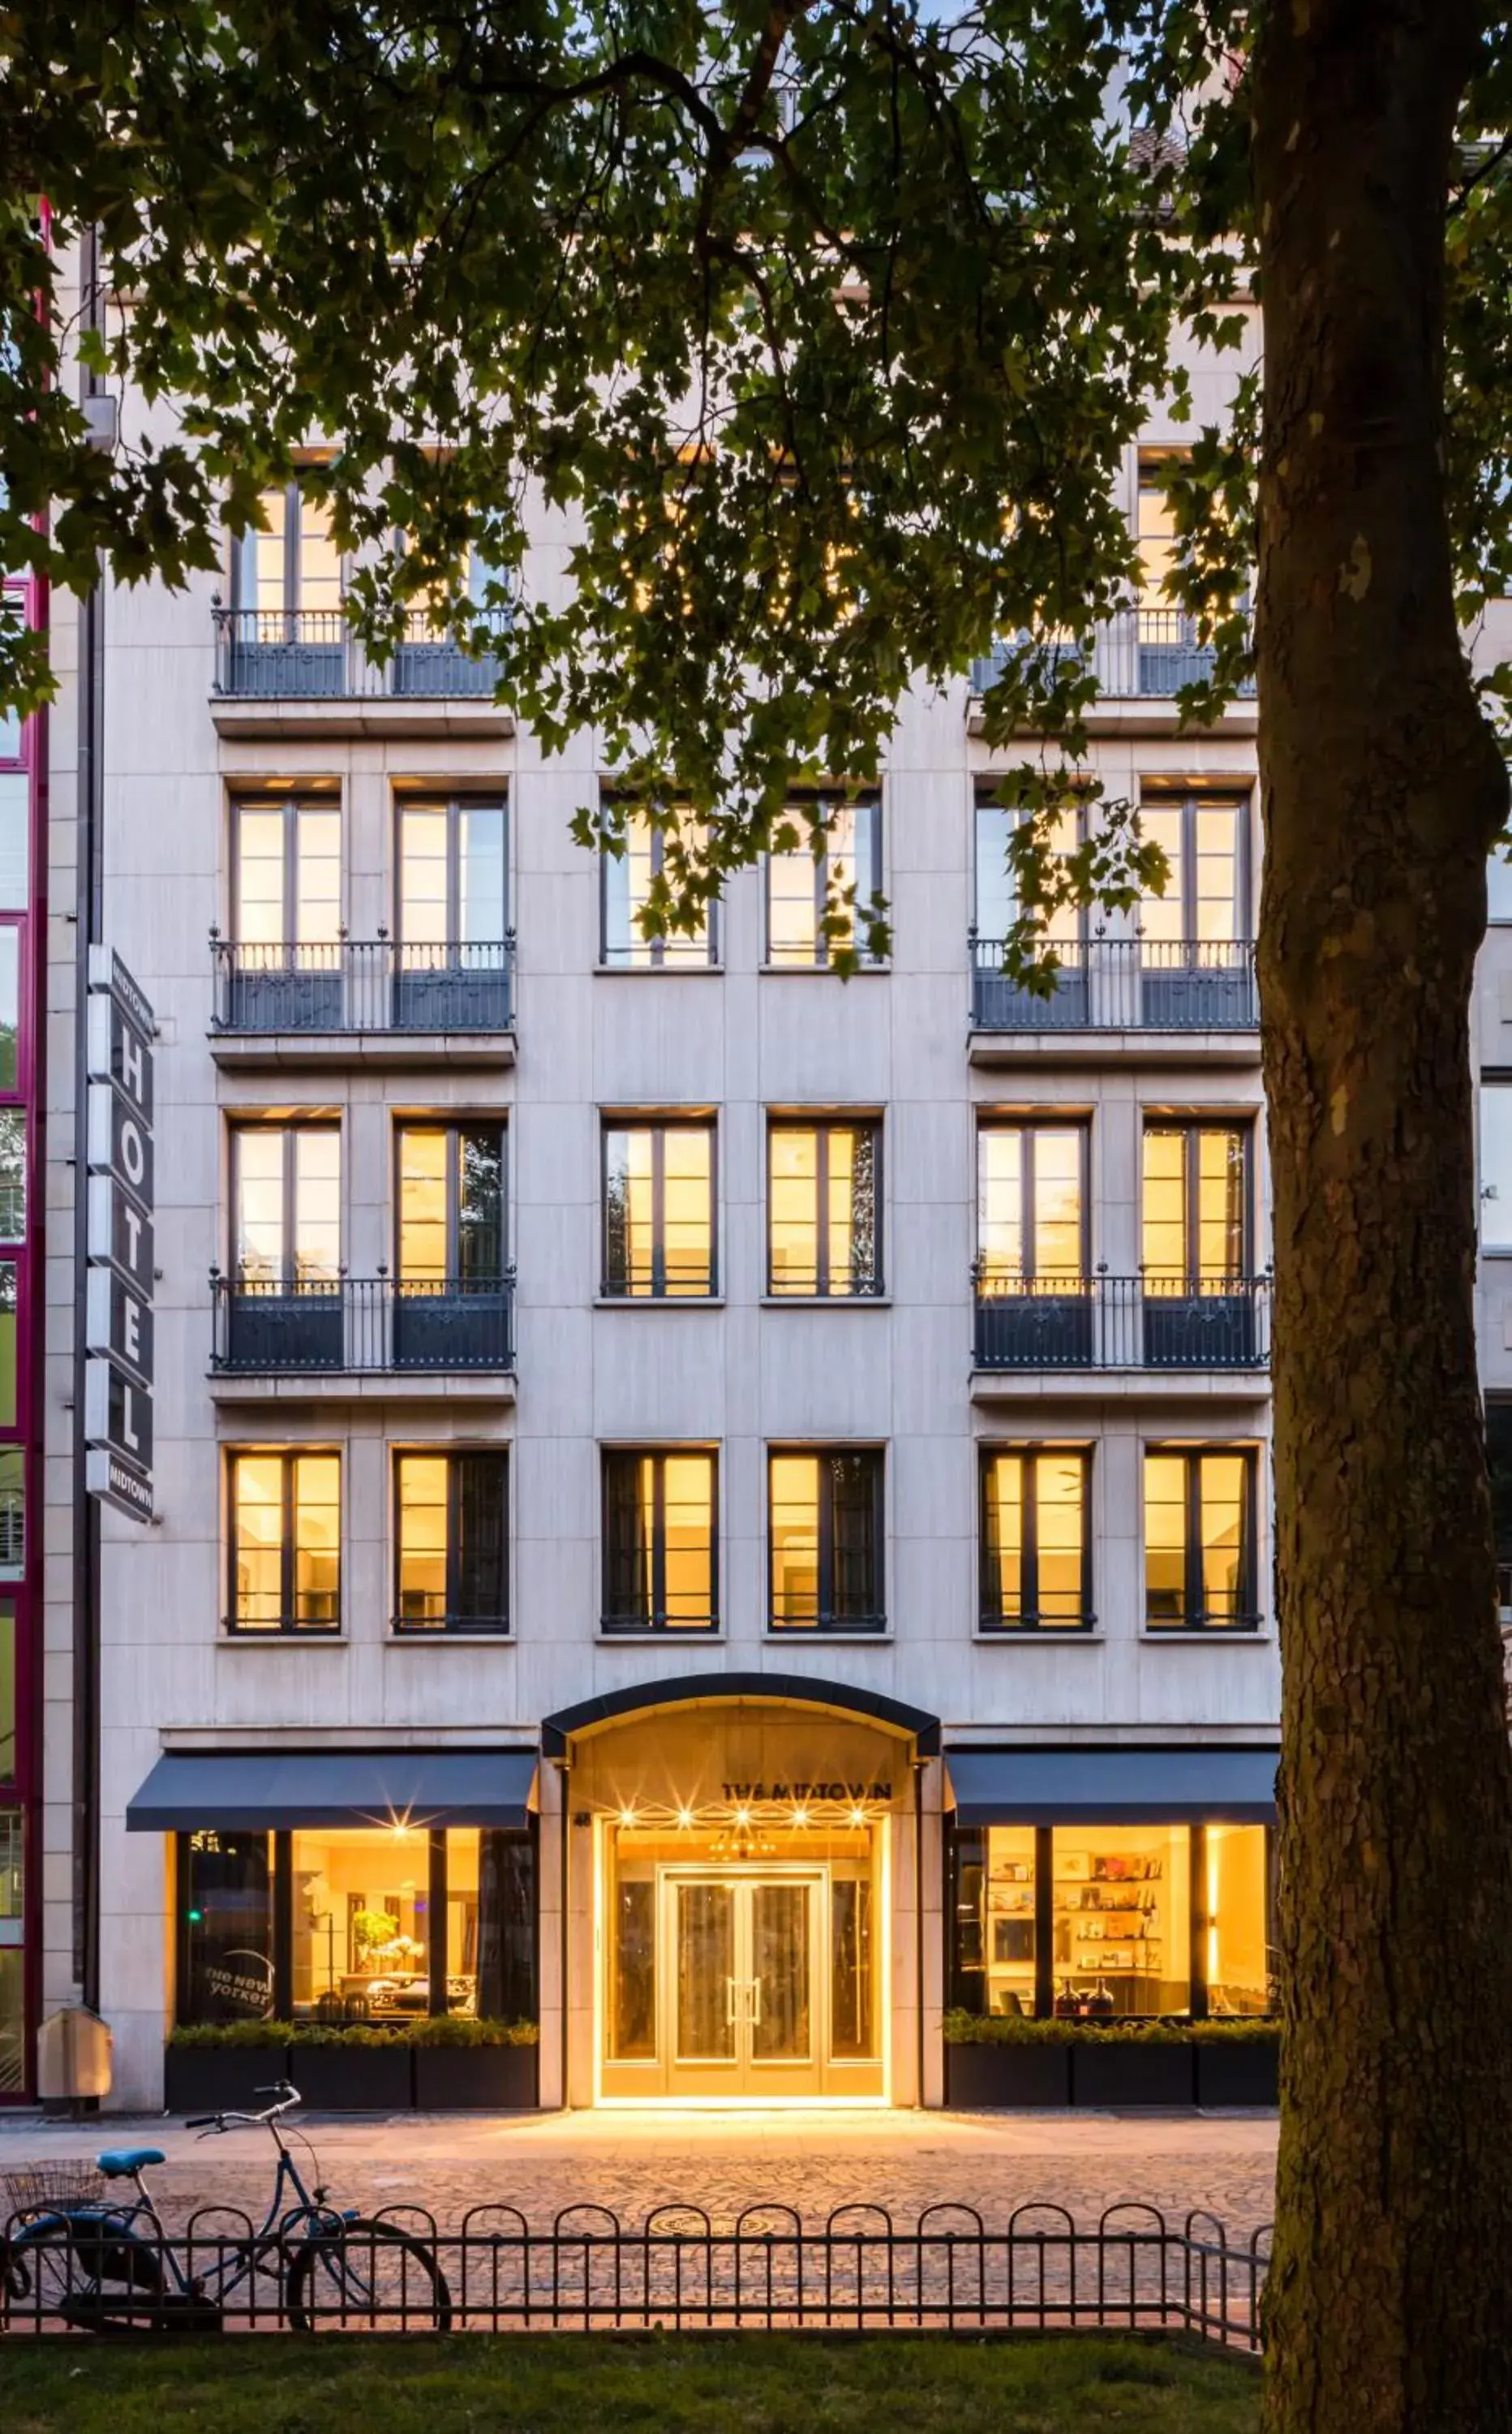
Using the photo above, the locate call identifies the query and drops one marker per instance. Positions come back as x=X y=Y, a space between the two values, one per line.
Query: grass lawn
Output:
x=580 y=2384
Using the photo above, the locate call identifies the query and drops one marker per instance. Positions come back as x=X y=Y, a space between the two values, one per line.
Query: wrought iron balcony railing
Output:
x=312 y=655
x=1140 y=654
x=1121 y=1322
x=1122 y=985
x=352 y=1326
x=363 y=985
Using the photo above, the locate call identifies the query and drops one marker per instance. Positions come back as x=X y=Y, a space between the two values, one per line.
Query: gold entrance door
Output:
x=743 y=1985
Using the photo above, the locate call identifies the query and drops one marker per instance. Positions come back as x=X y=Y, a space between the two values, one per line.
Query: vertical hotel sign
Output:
x=118 y=1289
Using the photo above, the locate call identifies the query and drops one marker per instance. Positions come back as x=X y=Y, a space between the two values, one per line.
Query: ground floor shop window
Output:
x=12 y=1957
x=1111 y=1922
x=351 y=1924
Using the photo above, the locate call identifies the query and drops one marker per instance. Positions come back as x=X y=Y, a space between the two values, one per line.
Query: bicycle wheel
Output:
x=367 y=2276
x=81 y=2273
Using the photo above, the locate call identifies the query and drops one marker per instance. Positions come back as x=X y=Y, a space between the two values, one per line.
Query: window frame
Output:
x=824 y=1624
x=1189 y=801
x=1195 y=1620
x=1029 y=1622
x=450 y=804
x=658 y=1125
x=452 y=1624
x=288 y=1279
x=822 y=1126
x=289 y=806
x=821 y=958
x=984 y=800
x=1027 y=1126
x=451 y=1127
x=287 y=1626
x=1190 y=1127
x=290 y=605
x=658 y=1624
x=684 y=956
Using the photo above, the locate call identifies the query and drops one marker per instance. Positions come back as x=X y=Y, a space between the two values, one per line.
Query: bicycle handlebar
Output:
x=288 y=2097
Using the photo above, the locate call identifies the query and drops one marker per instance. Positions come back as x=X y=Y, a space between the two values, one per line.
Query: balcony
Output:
x=303 y=671
x=1142 y=659
x=374 y=1001
x=1208 y=1336
x=346 y=1338
x=1161 y=998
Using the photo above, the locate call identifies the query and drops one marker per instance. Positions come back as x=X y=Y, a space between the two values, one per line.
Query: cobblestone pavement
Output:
x=812 y=2162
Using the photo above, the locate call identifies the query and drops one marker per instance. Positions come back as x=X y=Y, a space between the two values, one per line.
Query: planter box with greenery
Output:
x=353 y=2071
x=1117 y=2066
x=436 y=2065
x=1237 y=2063
x=475 y=2065
x=220 y=2070
x=1018 y=2062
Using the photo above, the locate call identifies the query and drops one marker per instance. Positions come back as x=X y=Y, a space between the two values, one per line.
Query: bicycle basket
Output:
x=42 y=2188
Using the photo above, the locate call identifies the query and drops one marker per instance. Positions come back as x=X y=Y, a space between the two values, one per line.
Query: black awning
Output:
x=246 y=1789
x=1111 y=1787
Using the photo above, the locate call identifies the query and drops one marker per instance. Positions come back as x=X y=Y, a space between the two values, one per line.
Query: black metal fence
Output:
x=1122 y=985
x=1140 y=654
x=1099 y=1323
x=346 y=1325
x=860 y=2270
x=312 y=655
x=363 y=985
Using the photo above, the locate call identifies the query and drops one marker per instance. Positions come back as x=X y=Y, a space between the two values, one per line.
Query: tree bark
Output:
x=1390 y=2300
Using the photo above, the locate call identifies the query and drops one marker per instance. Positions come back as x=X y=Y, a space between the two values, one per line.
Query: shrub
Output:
x=359 y=2033
x=1010 y=2028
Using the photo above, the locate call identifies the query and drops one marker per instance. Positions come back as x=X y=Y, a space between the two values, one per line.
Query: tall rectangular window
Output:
x=1496 y=1163
x=287 y=874
x=997 y=905
x=1122 y=1915
x=286 y=1205
x=660 y=1541
x=1031 y=1201
x=823 y=1213
x=450 y=1204
x=1195 y=1204
x=824 y=1540
x=658 y=1210
x=452 y=874
x=1036 y=1559
x=1499 y=1466
x=1204 y=839
x=1199 y=1532
x=1155 y=529
x=294 y=565
x=633 y=880
x=225 y=1927
x=285 y=1542
x=452 y=1542
x=817 y=903
x=15 y=840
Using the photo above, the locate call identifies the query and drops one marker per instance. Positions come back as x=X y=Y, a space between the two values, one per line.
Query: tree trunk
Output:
x=1391 y=2303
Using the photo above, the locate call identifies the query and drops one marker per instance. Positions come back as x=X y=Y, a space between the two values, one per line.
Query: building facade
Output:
x=720 y=1511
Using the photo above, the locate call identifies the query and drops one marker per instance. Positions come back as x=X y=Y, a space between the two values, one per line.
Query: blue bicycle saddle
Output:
x=117 y=2162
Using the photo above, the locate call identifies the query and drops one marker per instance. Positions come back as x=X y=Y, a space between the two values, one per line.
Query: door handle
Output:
x=754 y=2015
x=732 y=2010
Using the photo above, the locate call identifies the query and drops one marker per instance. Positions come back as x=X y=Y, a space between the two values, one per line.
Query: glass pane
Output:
x=997 y=896
x=316 y=1203
x=1003 y=1539
x=1220 y=1202
x=689 y=1504
x=481 y=875
x=1123 y=1920
x=422 y=875
x=8 y=1344
x=1163 y=1249
x=1055 y=1250
x=462 y=1921
x=480 y=1202
x=320 y=558
x=705 y=1972
x=847 y=869
x=225 y=1904
x=794 y=891
x=15 y=848
x=317 y=900
x=1223 y=1480
x=8 y=1690
x=1165 y=1538
x=259 y=1247
x=687 y=1201
x=1499 y=1464
x=481 y=1519
x=1499 y=887
x=10 y=1005
x=794 y=1490
x=856 y=1590
x=852 y=1969
x=12 y=1972
x=261 y=915
x=1000 y=1201
x=1496 y=1166
x=628 y=1184
x=422 y=1205
x=12 y=1511
x=1237 y=1958
x=12 y=1174
x=632 y=1968
x=256 y=1497
x=422 y=1538
x=362 y=1922
x=1163 y=919
x=317 y=1538
x=1060 y=1512
x=781 y=2026
x=1156 y=531
x=853 y=1213
x=792 y=1190
x=1009 y=1943
x=263 y=556
x=630 y=1529
x=626 y=885
x=1218 y=829
x=506 y=1927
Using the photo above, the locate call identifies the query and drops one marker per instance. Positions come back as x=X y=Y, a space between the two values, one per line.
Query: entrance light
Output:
x=685 y=1817
x=800 y=1816
x=628 y=1816
x=858 y=1816
x=743 y=1817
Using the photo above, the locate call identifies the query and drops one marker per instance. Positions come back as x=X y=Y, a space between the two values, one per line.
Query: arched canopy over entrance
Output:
x=732 y=1690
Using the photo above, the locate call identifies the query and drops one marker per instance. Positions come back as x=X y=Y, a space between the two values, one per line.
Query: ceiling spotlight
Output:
x=858 y=1816
x=628 y=1816
x=800 y=1816
x=685 y=1817
x=743 y=1817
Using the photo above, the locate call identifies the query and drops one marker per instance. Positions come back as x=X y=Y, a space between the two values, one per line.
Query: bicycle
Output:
x=74 y=2258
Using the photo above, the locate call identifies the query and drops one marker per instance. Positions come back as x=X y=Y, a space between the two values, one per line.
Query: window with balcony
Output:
x=452 y=1542
x=660 y=1541
x=629 y=882
x=1202 y=1308
x=284 y=636
x=658 y=1210
x=1033 y=1307
x=452 y=1306
x=1196 y=961
x=826 y=1537
x=999 y=1003
x=285 y=1543
x=1200 y=1539
x=817 y=903
x=429 y=662
x=281 y=967
x=1036 y=1552
x=283 y=1300
x=452 y=916
x=823 y=1210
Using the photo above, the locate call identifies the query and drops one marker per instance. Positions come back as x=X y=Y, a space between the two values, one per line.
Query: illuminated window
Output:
x=1195 y=1204
x=822 y=1213
x=1200 y=1528
x=1235 y=1908
x=453 y=1563
x=630 y=882
x=287 y=874
x=15 y=839
x=1155 y=530
x=658 y=1210
x=450 y=1204
x=818 y=902
x=997 y=900
x=1122 y=1917
x=1204 y=839
x=285 y=1542
x=661 y=1542
x=1036 y=1562
x=286 y=1201
x=452 y=876
x=12 y=1174
x=1030 y=1198
x=825 y=1540
x=294 y=565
